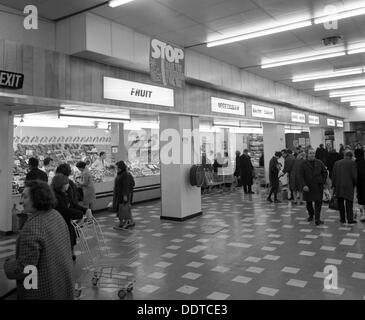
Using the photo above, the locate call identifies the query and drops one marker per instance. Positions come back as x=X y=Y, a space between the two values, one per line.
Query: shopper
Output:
x=321 y=153
x=360 y=186
x=65 y=169
x=48 y=168
x=101 y=163
x=344 y=180
x=237 y=166
x=288 y=167
x=35 y=173
x=342 y=151
x=123 y=194
x=332 y=158
x=246 y=172
x=43 y=242
x=68 y=209
x=295 y=178
x=274 y=169
x=87 y=185
x=313 y=175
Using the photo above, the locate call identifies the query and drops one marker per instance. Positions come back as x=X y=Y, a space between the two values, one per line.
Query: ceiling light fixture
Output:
x=328 y=74
x=260 y=33
x=347 y=93
x=95 y=118
x=340 y=84
x=343 y=14
x=312 y=56
x=356 y=48
x=357 y=104
x=117 y=3
x=353 y=99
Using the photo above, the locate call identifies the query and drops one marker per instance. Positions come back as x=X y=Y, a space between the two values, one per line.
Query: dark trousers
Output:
x=316 y=211
x=348 y=211
x=273 y=190
x=247 y=188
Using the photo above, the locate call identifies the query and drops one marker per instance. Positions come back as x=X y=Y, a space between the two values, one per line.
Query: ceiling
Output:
x=191 y=23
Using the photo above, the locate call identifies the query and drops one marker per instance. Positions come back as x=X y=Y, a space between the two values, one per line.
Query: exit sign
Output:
x=11 y=80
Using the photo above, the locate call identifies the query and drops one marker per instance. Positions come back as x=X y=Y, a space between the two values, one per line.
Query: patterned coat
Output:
x=44 y=242
x=87 y=184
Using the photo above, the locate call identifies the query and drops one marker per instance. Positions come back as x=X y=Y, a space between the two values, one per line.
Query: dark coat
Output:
x=69 y=211
x=294 y=175
x=360 y=162
x=44 y=242
x=72 y=192
x=332 y=157
x=313 y=174
x=344 y=178
x=245 y=170
x=274 y=172
x=36 y=174
x=123 y=186
x=237 y=167
x=321 y=154
x=288 y=167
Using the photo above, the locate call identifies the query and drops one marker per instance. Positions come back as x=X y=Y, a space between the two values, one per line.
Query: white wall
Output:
x=355 y=114
x=11 y=28
x=316 y=136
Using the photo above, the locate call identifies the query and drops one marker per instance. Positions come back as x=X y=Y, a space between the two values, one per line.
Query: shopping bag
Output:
x=124 y=211
x=333 y=204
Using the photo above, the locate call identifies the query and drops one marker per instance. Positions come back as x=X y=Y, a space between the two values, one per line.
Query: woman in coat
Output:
x=360 y=163
x=294 y=178
x=274 y=169
x=123 y=194
x=43 y=242
x=68 y=209
x=87 y=185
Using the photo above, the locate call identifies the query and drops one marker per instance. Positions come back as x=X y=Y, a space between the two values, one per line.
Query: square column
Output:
x=339 y=138
x=316 y=136
x=179 y=150
x=117 y=139
x=274 y=140
x=6 y=170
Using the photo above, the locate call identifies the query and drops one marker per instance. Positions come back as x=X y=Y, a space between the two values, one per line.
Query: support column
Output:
x=274 y=140
x=339 y=138
x=117 y=139
x=180 y=200
x=6 y=170
x=316 y=137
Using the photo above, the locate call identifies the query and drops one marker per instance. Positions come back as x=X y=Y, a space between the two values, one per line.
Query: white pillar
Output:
x=180 y=200
x=117 y=139
x=316 y=136
x=6 y=170
x=339 y=138
x=274 y=140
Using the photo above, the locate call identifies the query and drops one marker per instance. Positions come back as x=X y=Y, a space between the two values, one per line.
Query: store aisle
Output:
x=241 y=248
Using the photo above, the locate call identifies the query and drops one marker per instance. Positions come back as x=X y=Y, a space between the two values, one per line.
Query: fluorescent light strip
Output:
x=117 y=3
x=328 y=74
x=357 y=104
x=341 y=15
x=96 y=118
x=353 y=99
x=346 y=93
x=260 y=33
x=339 y=85
x=300 y=60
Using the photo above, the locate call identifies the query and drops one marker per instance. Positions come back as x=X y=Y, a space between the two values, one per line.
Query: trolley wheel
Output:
x=122 y=293
x=94 y=281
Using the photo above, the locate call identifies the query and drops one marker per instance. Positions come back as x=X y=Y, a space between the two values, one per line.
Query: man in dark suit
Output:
x=35 y=173
x=321 y=154
x=312 y=177
x=246 y=172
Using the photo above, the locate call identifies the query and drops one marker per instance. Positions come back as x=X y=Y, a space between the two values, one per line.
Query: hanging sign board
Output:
x=339 y=123
x=11 y=80
x=298 y=117
x=123 y=90
x=167 y=64
x=313 y=119
x=331 y=122
x=263 y=112
x=227 y=106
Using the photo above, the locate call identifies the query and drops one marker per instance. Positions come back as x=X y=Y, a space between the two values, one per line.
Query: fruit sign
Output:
x=167 y=64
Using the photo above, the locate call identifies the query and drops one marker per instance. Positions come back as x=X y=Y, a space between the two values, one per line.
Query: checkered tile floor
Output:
x=241 y=248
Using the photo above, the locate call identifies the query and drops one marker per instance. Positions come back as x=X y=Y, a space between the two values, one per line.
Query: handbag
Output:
x=124 y=211
x=333 y=204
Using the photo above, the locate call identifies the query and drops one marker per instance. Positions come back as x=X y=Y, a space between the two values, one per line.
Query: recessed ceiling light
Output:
x=117 y=3
x=328 y=74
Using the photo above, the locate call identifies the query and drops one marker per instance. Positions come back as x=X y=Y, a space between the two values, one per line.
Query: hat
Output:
x=278 y=154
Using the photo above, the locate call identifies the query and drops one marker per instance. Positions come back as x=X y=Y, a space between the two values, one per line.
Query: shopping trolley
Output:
x=101 y=262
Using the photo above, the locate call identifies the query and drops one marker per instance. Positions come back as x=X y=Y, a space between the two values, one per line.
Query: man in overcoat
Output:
x=246 y=172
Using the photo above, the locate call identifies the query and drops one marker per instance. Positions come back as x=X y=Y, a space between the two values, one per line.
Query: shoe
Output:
x=319 y=222
x=342 y=221
x=269 y=199
x=301 y=203
x=294 y=202
x=310 y=219
x=277 y=201
x=251 y=192
x=73 y=257
x=352 y=222
x=129 y=224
